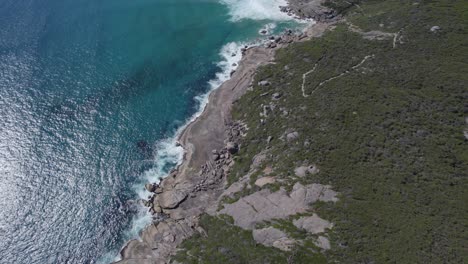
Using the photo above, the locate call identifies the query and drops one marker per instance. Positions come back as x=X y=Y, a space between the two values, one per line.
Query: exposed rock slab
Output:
x=323 y=243
x=312 y=224
x=172 y=198
x=272 y=237
x=264 y=205
x=302 y=171
x=264 y=181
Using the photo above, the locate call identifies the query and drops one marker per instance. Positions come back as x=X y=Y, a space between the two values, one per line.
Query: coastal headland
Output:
x=209 y=142
x=319 y=148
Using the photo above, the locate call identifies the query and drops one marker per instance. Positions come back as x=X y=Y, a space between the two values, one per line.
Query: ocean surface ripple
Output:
x=92 y=95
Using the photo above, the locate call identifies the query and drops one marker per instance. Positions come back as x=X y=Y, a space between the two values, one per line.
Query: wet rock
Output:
x=272 y=45
x=150 y=187
x=146 y=203
x=135 y=248
x=157 y=208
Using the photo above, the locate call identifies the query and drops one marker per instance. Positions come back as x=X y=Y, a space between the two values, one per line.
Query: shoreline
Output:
x=208 y=141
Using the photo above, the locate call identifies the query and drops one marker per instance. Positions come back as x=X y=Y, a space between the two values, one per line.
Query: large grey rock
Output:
x=136 y=249
x=302 y=171
x=171 y=198
x=232 y=147
x=312 y=224
x=258 y=160
x=265 y=205
x=264 y=181
x=264 y=83
x=322 y=242
x=292 y=136
x=150 y=187
x=272 y=237
x=158 y=241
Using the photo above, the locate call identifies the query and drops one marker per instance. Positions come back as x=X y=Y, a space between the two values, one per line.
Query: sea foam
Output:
x=169 y=154
x=257 y=9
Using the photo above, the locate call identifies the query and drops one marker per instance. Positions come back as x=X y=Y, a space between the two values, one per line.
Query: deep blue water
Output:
x=89 y=91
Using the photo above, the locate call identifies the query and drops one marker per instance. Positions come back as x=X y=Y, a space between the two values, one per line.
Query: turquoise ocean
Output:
x=92 y=96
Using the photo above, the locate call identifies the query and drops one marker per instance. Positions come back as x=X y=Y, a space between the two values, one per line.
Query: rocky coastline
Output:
x=210 y=142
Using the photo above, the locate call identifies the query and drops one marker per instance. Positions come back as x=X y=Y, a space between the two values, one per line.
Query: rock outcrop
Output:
x=265 y=205
x=272 y=237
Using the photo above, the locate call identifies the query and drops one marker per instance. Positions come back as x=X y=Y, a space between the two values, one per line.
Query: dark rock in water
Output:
x=131 y=206
x=150 y=187
x=145 y=149
x=142 y=144
x=145 y=203
x=263 y=31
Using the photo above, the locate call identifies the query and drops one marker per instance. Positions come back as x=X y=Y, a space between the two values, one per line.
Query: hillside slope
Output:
x=377 y=109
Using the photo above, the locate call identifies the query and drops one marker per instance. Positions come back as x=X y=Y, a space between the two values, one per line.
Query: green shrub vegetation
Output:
x=227 y=243
x=387 y=135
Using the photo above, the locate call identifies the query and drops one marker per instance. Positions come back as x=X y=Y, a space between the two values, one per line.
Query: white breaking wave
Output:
x=257 y=9
x=231 y=55
x=267 y=29
x=168 y=153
